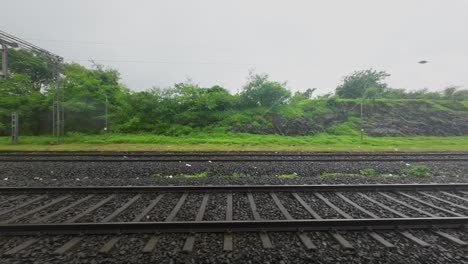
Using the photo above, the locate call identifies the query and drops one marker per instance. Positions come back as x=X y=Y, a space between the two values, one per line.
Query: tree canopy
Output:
x=366 y=83
x=259 y=91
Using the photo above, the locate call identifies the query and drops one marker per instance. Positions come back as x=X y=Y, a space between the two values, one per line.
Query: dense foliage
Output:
x=262 y=106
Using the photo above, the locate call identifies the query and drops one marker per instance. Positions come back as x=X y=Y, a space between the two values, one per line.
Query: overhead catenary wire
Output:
x=168 y=62
x=138 y=60
x=26 y=45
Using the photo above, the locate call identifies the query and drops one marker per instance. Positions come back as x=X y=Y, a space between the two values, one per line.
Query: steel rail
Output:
x=221 y=154
x=235 y=226
x=237 y=188
x=243 y=160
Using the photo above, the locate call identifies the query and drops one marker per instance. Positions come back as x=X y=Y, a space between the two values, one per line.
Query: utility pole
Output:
x=4 y=61
x=362 y=129
x=106 y=113
x=4 y=44
x=58 y=113
x=14 y=128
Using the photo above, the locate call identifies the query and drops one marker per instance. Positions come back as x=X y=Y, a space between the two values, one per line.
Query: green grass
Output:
x=288 y=176
x=333 y=174
x=368 y=172
x=363 y=172
x=234 y=142
x=410 y=170
x=416 y=171
x=183 y=175
x=238 y=175
x=193 y=176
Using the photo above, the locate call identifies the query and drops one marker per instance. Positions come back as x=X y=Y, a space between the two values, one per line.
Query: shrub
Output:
x=178 y=130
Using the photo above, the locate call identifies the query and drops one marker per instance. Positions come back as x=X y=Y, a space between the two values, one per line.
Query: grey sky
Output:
x=308 y=43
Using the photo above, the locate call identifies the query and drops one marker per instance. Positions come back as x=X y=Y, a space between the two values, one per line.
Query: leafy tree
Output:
x=259 y=91
x=461 y=95
x=85 y=92
x=307 y=94
x=38 y=67
x=358 y=83
x=18 y=94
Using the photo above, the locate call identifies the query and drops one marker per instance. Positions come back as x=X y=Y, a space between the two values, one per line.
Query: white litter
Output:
x=188 y=165
x=6 y=179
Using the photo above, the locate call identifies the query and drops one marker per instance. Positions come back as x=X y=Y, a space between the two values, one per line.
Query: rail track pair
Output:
x=29 y=211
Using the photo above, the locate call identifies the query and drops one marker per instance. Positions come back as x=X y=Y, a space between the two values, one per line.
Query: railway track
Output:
x=229 y=210
x=223 y=154
x=233 y=157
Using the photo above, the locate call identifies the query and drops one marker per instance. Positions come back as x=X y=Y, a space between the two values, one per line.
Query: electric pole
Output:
x=14 y=128
x=106 y=114
x=5 y=44
x=362 y=128
x=58 y=112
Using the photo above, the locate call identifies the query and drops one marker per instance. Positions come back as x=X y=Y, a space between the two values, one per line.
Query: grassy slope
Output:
x=235 y=142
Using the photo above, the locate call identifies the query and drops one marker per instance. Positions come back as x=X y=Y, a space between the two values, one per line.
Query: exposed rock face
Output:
x=415 y=118
x=381 y=118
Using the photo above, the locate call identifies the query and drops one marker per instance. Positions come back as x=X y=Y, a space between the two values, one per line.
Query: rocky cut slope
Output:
x=381 y=117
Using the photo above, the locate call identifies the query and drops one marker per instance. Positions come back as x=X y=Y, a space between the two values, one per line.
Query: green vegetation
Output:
x=363 y=172
x=264 y=115
x=416 y=171
x=333 y=174
x=410 y=170
x=288 y=176
x=182 y=175
x=238 y=175
x=368 y=172
x=193 y=176
x=235 y=142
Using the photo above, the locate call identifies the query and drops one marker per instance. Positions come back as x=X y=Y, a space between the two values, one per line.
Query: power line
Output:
x=170 y=62
x=26 y=45
x=137 y=61
x=75 y=41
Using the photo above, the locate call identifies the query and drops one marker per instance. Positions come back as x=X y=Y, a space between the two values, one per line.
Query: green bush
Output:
x=2 y=128
x=178 y=130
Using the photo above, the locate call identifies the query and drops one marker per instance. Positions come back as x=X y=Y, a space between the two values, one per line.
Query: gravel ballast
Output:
x=208 y=248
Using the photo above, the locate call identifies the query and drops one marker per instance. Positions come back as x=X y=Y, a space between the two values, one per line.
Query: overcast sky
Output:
x=310 y=43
